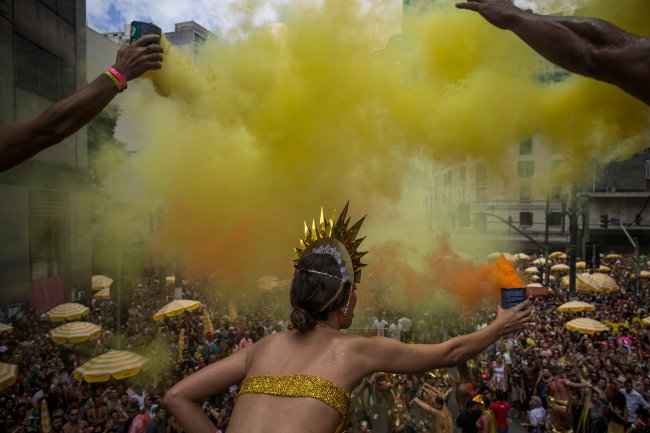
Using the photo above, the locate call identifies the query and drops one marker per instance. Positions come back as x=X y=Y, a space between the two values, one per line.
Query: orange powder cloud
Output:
x=442 y=268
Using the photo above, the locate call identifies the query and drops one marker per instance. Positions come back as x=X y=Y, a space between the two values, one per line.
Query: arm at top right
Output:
x=585 y=46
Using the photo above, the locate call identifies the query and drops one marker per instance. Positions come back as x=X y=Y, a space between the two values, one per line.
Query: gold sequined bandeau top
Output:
x=299 y=385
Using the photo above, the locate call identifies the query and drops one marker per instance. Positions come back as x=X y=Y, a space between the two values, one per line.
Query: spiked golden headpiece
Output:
x=337 y=240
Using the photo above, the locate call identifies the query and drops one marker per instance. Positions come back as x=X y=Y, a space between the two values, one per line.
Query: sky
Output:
x=220 y=16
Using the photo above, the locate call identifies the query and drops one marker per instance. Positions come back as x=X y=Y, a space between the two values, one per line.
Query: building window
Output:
x=481 y=181
x=555 y=219
x=45 y=247
x=41 y=72
x=525 y=219
x=524 y=193
x=526 y=147
x=48 y=233
x=526 y=168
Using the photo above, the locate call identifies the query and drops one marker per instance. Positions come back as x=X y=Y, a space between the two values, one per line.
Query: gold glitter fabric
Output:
x=299 y=385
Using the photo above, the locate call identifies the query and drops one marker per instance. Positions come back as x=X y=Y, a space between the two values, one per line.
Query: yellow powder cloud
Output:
x=239 y=145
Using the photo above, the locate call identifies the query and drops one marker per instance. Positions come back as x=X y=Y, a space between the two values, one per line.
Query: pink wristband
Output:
x=117 y=75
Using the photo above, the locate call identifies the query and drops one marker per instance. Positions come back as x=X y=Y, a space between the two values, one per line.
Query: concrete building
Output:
x=45 y=215
x=188 y=36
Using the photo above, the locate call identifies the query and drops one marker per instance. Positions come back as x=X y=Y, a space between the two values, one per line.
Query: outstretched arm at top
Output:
x=586 y=46
x=386 y=354
x=182 y=399
x=22 y=140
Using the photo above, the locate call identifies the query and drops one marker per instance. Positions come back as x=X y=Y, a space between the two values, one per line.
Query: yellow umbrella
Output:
x=267 y=283
x=584 y=325
x=46 y=423
x=602 y=283
x=104 y=294
x=70 y=311
x=557 y=255
x=645 y=274
x=646 y=320
x=6 y=328
x=496 y=255
x=522 y=257
x=575 y=306
x=614 y=256
x=581 y=279
x=118 y=364
x=8 y=375
x=560 y=267
x=581 y=265
x=532 y=270
x=603 y=268
x=535 y=278
x=552 y=278
x=539 y=261
x=535 y=285
x=75 y=332
x=99 y=282
x=176 y=307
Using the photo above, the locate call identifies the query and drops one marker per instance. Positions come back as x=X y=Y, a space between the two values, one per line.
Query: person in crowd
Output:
x=633 y=401
x=467 y=420
x=536 y=418
x=395 y=331
x=617 y=413
x=158 y=423
x=405 y=325
x=21 y=140
x=435 y=406
x=380 y=326
x=585 y=46
x=74 y=424
x=501 y=410
x=316 y=360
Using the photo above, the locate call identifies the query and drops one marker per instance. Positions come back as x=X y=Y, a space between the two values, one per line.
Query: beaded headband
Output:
x=336 y=240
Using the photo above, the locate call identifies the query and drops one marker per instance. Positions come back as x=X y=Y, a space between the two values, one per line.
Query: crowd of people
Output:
x=545 y=378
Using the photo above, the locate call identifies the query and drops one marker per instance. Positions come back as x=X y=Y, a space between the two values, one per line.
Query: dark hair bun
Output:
x=301 y=320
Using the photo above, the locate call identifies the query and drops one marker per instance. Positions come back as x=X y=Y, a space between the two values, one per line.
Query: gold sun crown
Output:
x=337 y=230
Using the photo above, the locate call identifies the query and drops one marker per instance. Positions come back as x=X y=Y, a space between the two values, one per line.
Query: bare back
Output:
x=320 y=352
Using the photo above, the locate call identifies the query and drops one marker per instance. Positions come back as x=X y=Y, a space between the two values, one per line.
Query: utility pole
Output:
x=573 y=242
x=118 y=323
x=546 y=263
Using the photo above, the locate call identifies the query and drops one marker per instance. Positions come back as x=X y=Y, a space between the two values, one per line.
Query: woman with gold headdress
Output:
x=300 y=381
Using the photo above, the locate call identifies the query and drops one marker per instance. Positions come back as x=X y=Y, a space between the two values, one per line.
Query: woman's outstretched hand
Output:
x=512 y=319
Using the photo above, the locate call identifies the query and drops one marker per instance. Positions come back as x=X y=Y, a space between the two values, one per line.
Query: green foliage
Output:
x=105 y=152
